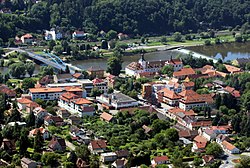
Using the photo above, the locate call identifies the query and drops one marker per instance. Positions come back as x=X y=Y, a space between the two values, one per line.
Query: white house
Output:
x=79 y=35
x=40 y=113
x=22 y=103
x=28 y=163
x=76 y=105
x=117 y=100
x=176 y=63
x=209 y=134
x=97 y=146
x=45 y=93
x=101 y=84
x=53 y=35
x=43 y=132
x=228 y=147
x=108 y=157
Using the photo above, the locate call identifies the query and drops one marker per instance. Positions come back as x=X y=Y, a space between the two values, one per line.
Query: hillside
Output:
x=128 y=16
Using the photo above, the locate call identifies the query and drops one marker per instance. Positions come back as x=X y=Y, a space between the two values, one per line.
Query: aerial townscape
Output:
x=124 y=84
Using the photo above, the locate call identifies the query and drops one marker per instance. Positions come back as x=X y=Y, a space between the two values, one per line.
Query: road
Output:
x=230 y=159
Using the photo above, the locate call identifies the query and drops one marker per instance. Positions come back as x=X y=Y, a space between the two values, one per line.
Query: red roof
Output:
x=77 y=75
x=184 y=72
x=161 y=159
x=201 y=145
x=45 y=90
x=98 y=144
x=174 y=61
x=24 y=101
x=68 y=96
x=228 y=145
x=106 y=116
x=97 y=81
x=169 y=94
x=27 y=36
x=200 y=139
x=81 y=101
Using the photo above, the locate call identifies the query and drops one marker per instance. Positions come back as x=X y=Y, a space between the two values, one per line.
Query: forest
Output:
x=128 y=16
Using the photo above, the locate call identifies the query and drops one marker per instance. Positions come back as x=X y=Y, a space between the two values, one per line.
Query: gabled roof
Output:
x=24 y=101
x=200 y=139
x=188 y=84
x=208 y=158
x=106 y=116
x=184 y=72
x=35 y=131
x=232 y=69
x=27 y=36
x=45 y=90
x=56 y=140
x=161 y=159
x=77 y=75
x=228 y=145
x=169 y=94
x=98 y=144
x=33 y=105
x=68 y=96
x=81 y=101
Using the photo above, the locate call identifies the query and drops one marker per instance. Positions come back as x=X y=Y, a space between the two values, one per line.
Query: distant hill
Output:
x=128 y=16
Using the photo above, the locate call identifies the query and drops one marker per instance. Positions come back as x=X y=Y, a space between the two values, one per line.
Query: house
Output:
x=147 y=130
x=147 y=91
x=76 y=105
x=79 y=35
x=209 y=134
x=78 y=75
x=7 y=91
x=74 y=120
x=22 y=103
x=8 y=146
x=63 y=113
x=106 y=117
x=223 y=129
x=81 y=163
x=240 y=62
x=158 y=160
x=45 y=93
x=199 y=144
x=135 y=68
x=190 y=99
x=27 y=39
x=87 y=85
x=75 y=131
x=95 y=72
x=228 y=147
x=97 y=146
x=108 y=157
x=122 y=36
x=187 y=85
x=122 y=153
x=183 y=73
x=220 y=138
x=40 y=113
x=53 y=34
x=46 y=80
x=198 y=124
x=232 y=69
x=100 y=84
x=235 y=93
x=28 y=163
x=117 y=100
x=57 y=144
x=207 y=159
x=120 y=163
x=62 y=78
x=31 y=106
x=168 y=96
x=44 y=132
x=111 y=80
x=53 y=120
x=188 y=134
x=176 y=63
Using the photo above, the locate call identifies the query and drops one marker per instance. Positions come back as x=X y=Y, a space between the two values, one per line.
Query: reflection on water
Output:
x=4 y=70
x=226 y=51
x=102 y=63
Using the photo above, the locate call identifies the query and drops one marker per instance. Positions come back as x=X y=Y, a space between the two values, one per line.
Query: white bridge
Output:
x=49 y=59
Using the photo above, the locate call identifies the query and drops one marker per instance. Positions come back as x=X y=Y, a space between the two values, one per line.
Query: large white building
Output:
x=76 y=105
x=117 y=100
x=142 y=66
x=45 y=93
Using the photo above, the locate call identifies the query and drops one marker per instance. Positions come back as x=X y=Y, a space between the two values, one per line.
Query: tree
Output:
x=168 y=69
x=222 y=68
x=177 y=36
x=94 y=161
x=114 y=65
x=67 y=69
x=50 y=158
x=163 y=39
x=197 y=161
x=52 y=44
x=17 y=70
x=111 y=35
x=104 y=45
x=30 y=68
x=28 y=83
x=172 y=134
x=46 y=70
x=159 y=125
x=24 y=142
x=31 y=119
x=143 y=40
x=207 y=42
x=244 y=162
x=95 y=92
x=22 y=56
x=83 y=152
x=238 y=38
x=38 y=141
x=214 y=149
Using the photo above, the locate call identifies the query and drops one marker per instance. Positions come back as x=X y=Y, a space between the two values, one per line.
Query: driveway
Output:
x=230 y=159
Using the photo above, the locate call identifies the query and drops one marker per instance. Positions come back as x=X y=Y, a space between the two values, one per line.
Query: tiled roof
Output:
x=45 y=90
x=35 y=131
x=106 y=116
x=68 y=96
x=184 y=72
x=232 y=69
x=188 y=84
x=208 y=67
x=77 y=75
x=27 y=36
x=98 y=144
x=24 y=101
x=174 y=61
x=169 y=94
x=97 y=81
x=201 y=145
x=208 y=158
x=201 y=123
x=161 y=159
x=228 y=145
x=33 y=105
x=200 y=139
x=73 y=89
x=81 y=101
